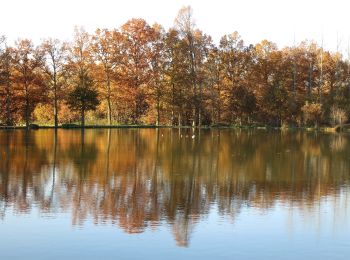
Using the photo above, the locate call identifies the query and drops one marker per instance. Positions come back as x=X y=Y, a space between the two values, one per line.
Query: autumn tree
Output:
x=342 y=97
x=234 y=70
x=264 y=69
x=136 y=72
x=276 y=102
x=312 y=113
x=185 y=24
x=338 y=115
x=79 y=67
x=28 y=80
x=6 y=82
x=107 y=53
x=54 y=68
x=157 y=66
x=214 y=74
x=203 y=45
x=177 y=76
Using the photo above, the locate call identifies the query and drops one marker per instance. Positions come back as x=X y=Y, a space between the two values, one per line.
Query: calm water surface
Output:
x=161 y=194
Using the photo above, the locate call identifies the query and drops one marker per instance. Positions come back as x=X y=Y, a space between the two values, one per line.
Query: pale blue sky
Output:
x=276 y=20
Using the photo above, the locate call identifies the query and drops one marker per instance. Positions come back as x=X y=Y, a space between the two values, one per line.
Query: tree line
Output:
x=143 y=74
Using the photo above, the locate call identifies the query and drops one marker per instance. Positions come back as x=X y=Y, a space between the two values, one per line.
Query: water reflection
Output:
x=141 y=178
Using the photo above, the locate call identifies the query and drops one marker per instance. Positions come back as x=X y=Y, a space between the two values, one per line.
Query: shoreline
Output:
x=335 y=129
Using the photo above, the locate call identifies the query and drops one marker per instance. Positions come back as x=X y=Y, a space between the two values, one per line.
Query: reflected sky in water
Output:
x=150 y=193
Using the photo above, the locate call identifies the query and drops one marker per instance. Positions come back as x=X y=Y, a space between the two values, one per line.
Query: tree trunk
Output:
x=172 y=103
x=200 y=106
x=310 y=81
x=55 y=107
x=194 y=117
x=83 y=117
x=200 y=117
x=219 y=113
x=179 y=119
x=172 y=117
x=194 y=79
x=9 y=120
x=27 y=106
x=158 y=112
x=136 y=114
x=109 y=111
x=109 y=102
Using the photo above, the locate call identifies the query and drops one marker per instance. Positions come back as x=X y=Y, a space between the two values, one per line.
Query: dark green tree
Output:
x=243 y=103
x=83 y=97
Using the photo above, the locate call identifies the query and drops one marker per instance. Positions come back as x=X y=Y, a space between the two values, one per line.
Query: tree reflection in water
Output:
x=139 y=178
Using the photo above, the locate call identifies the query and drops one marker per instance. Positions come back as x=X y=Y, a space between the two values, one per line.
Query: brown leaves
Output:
x=146 y=75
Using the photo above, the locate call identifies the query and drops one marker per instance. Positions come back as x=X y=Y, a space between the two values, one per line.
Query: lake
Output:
x=174 y=194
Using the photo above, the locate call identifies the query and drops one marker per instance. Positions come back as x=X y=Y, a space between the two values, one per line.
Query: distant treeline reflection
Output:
x=139 y=178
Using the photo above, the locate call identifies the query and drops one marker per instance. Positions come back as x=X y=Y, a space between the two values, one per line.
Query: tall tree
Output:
x=83 y=97
x=79 y=67
x=233 y=72
x=185 y=24
x=107 y=53
x=177 y=76
x=27 y=77
x=54 y=68
x=6 y=88
x=213 y=76
x=157 y=63
x=138 y=38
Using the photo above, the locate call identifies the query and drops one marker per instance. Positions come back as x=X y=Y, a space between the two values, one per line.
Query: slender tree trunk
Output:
x=219 y=104
x=27 y=106
x=136 y=110
x=195 y=105
x=194 y=79
x=199 y=116
x=158 y=112
x=179 y=119
x=109 y=102
x=310 y=81
x=172 y=103
x=194 y=117
x=9 y=120
x=172 y=117
x=200 y=106
x=109 y=111
x=83 y=117
x=55 y=107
